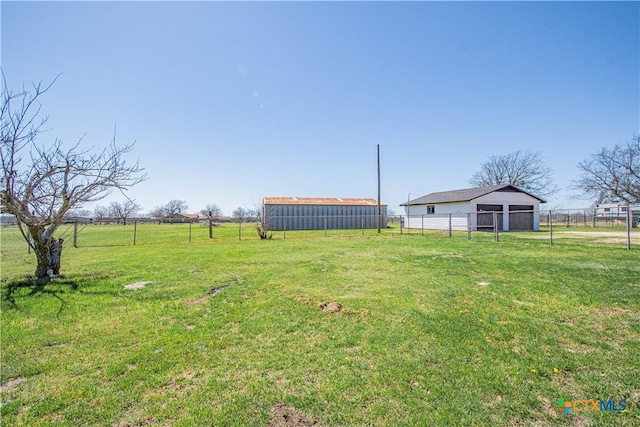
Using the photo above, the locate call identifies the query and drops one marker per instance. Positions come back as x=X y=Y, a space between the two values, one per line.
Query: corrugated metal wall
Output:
x=321 y=217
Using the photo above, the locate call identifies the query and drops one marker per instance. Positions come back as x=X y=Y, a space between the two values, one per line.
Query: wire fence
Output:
x=546 y=226
x=586 y=224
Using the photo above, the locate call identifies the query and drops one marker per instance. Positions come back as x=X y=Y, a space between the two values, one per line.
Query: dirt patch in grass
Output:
x=147 y=422
x=11 y=384
x=133 y=418
x=137 y=285
x=330 y=307
x=564 y=381
x=283 y=415
x=609 y=311
x=206 y=296
x=598 y=236
x=179 y=385
x=302 y=300
x=634 y=399
x=574 y=347
x=197 y=300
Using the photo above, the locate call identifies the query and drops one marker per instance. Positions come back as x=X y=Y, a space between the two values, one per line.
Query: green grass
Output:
x=432 y=331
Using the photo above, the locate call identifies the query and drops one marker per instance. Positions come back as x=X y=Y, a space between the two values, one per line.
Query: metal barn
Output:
x=322 y=213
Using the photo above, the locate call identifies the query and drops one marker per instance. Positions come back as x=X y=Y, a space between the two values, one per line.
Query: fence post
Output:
x=240 y=229
x=468 y=225
x=450 y=226
x=75 y=234
x=362 y=224
x=422 y=224
x=495 y=226
x=325 y=225
x=190 y=225
x=550 y=227
x=135 y=229
x=284 y=229
x=628 y=226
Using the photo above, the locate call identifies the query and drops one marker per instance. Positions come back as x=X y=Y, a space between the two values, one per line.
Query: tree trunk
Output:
x=48 y=254
x=42 y=253
x=55 y=255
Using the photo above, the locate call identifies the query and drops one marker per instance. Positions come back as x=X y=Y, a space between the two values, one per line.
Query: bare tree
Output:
x=524 y=170
x=175 y=207
x=261 y=226
x=123 y=210
x=170 y=210
x=613 y=174
x=100 y=213
x=42 y=183
x=157 y=212
x=211 y=211
x=239 y=214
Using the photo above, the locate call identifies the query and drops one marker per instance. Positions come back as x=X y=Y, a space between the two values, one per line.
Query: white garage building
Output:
x=473 y=209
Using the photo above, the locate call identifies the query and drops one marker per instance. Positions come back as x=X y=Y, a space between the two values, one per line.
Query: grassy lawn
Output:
x=343 y=330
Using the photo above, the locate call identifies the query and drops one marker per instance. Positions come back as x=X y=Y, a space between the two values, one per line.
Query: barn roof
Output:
x=466 y=195
x=335 y=201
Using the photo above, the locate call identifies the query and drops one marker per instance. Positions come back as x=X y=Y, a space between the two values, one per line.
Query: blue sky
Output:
x=230 y=102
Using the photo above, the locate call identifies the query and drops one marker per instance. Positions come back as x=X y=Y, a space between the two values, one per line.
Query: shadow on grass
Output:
x=38 y=287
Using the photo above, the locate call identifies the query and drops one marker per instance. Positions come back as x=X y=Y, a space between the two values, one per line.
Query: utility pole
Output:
x=379 y=210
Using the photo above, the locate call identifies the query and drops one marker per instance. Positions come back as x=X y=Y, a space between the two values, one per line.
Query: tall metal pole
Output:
x=379 y=209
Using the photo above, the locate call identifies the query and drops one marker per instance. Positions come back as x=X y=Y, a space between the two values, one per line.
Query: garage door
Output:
x=520 y=218
x=484 y=217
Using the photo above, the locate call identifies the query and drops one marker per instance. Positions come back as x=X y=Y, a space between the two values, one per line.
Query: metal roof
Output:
x=466 y=195
x=335 y=201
